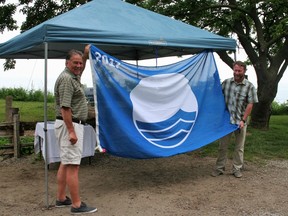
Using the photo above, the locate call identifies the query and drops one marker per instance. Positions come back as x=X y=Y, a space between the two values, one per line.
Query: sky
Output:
x=29 y=74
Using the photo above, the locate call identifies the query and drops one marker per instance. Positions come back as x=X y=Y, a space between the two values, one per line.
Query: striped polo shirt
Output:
x=237 y=97
x=69 y=92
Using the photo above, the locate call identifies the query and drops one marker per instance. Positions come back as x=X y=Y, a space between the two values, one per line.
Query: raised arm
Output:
x=85 y=56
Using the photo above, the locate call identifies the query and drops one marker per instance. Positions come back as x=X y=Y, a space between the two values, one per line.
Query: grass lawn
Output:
x=260 y=144
x=29 y=111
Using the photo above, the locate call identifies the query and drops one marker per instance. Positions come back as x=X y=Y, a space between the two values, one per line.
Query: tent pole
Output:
x=156 y=56
x=45 y=122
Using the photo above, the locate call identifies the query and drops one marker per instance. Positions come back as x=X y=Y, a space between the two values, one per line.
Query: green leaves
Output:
x=6 y=17
x=9 y=64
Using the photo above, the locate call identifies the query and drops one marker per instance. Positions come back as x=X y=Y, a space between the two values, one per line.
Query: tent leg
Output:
x=45 y=122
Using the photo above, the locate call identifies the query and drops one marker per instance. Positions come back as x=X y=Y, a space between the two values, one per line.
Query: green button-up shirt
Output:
x=237 y=97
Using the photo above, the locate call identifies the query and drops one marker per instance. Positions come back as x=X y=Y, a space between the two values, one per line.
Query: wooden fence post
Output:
x=16 y=137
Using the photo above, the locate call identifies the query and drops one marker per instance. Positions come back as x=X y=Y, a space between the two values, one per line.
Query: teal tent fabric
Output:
x=121 y=29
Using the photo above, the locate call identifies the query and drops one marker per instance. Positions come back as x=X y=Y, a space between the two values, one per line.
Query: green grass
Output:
x=29 y=111
x=260 y=144
x=271 y=144
x=4 y=140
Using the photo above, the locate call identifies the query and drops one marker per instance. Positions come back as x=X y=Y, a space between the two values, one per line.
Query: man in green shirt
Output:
x=71 y=114
x=240 y=95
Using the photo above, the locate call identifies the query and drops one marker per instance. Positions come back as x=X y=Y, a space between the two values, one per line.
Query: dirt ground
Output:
x=174 y=186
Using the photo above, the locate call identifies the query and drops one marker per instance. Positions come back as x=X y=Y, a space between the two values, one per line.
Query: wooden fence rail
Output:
x=10 y=131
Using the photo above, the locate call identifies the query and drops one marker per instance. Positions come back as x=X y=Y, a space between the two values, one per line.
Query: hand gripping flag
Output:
x=149 y=112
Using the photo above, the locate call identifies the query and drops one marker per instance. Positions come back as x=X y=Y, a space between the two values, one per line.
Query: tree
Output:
x=261 y=27
x=36 y=11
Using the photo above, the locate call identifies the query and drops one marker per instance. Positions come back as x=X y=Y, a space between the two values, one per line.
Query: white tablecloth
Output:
x=53 y=147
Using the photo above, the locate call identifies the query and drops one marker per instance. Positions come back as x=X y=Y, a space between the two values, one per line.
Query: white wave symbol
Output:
x=167 y=134
x=164 y=109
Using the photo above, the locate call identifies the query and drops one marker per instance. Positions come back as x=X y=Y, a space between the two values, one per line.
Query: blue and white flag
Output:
x=149 y=112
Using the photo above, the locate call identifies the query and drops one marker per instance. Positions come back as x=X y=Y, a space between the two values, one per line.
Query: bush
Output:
x=279 y=109
x=16 y=93
x=20 y=94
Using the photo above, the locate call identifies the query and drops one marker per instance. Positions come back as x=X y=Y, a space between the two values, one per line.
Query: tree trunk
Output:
x=260 y=115
x=266 y=91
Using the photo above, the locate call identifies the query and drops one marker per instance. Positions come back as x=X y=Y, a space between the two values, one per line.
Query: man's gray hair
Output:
x=73 y=52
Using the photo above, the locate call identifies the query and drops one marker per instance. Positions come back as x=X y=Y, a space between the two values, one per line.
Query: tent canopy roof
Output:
x=121 y=29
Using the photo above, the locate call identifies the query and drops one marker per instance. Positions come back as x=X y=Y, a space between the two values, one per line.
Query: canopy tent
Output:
x=121 y=29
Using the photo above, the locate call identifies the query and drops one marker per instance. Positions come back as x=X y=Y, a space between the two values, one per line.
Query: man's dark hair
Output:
x=240 y=63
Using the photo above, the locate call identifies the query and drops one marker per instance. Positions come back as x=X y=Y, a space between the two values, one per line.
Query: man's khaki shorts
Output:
x=69 y=154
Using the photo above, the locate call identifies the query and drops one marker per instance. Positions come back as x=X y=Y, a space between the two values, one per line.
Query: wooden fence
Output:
x=11 y=131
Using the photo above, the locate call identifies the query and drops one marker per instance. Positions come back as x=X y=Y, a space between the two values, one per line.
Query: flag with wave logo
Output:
x=149 y=112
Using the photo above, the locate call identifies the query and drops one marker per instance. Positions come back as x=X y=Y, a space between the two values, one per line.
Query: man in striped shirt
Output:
x=71 y=114
x=240 y=95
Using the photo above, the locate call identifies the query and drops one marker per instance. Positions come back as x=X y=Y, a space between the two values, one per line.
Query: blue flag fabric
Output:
x=150 y=112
